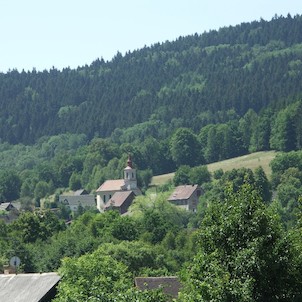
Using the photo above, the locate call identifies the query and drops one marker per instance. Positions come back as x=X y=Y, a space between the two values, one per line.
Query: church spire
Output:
x=129 y=161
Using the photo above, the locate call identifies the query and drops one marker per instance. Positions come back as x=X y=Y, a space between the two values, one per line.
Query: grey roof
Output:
x=4 y=206
x=17 y=205
x=84 y=200
x=26 y=287
x=170 y=285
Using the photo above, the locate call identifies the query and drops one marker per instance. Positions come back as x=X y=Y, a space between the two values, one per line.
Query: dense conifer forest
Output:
x=174 y=106
x=192 y=81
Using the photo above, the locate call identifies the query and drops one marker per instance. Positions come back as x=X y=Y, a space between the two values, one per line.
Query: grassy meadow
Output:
x=251 y=161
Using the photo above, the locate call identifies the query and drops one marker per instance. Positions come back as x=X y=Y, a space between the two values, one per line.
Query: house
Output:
x=28 y=287
x=120 y=201
x=8 y=212
x=186 y=197
x=79 y=198
x=6 y=206
x=106 y=192
x=170 y=285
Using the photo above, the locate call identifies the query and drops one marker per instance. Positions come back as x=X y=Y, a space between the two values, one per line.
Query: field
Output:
x=251 y=161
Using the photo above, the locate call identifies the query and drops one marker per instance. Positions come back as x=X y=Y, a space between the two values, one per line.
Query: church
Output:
x=118 y=193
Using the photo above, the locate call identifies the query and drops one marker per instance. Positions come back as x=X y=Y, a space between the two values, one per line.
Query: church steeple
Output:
x=129 y=161
x=130 y=175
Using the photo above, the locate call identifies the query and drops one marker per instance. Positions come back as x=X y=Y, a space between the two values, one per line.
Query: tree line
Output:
x=71 y=161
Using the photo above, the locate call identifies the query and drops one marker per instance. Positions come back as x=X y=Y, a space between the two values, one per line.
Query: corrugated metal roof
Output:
x=183 y=192
x=26 y=287
x=111 y=185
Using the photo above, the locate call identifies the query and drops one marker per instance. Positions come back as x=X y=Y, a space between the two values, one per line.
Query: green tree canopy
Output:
x=10 y=185
x=199 y=175
x=243 y=254
x=181 y=176
x=92 y=277
x=98 y=277
x=184 y=147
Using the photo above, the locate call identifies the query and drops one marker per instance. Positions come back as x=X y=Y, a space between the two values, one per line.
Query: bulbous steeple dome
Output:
x=129 y=161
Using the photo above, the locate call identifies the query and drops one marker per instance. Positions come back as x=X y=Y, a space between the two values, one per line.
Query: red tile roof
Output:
x=118 y=199
x=111 y=185
x=183 y=192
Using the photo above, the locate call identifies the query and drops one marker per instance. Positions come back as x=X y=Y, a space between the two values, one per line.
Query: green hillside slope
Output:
x=251 y=161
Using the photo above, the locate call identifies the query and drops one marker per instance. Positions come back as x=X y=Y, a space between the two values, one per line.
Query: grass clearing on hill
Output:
x=251 y=161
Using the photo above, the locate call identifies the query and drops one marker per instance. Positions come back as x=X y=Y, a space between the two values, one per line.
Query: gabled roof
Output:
x=170 y=285
x=118 y=199
x=27 y=287
x=183 y=192
x=80 y=192
x=17 y=205
x=6 y=206
x=111 y=185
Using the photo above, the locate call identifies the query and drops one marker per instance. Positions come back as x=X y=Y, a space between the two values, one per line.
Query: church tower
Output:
x=130 y=175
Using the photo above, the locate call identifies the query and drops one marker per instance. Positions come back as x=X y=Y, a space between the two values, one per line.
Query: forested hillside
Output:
x=190 y=82
x=174 y=106
x=197 y=100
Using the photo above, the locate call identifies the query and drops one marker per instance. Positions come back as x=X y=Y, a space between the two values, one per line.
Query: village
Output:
x=113 y=194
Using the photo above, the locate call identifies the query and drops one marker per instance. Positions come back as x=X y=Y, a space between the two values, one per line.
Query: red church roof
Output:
x=111 y=185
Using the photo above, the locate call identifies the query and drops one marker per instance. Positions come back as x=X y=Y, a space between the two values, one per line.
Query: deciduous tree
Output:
x=243 y=254
x=185 y=149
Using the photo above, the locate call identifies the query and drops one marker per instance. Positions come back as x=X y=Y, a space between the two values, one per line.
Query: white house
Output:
x=79 y=198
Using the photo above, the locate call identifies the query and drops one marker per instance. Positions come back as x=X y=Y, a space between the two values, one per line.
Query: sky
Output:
x=43 y=34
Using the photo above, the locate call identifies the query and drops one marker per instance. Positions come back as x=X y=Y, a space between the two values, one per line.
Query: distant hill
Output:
x=251 y=161
x=191 y=82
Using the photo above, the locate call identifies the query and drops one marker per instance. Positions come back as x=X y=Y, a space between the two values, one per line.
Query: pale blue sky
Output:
x=44 y=33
